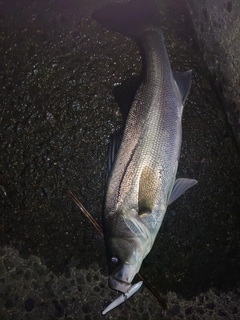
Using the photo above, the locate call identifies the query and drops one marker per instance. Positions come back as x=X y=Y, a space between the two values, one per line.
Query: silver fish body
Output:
x=141 y=182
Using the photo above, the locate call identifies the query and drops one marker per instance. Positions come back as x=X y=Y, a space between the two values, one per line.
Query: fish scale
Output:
x=142 y=179
x=153 y=139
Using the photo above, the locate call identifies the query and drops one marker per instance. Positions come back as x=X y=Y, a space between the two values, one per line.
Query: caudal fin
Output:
x=131 y=18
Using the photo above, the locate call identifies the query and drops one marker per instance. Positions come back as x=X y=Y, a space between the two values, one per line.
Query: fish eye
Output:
x=114 y=259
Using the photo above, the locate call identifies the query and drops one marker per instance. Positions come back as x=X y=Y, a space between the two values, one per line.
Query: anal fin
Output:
x=124 y=94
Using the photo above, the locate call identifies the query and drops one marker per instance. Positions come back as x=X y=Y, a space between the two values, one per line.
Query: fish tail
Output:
x=129 y=18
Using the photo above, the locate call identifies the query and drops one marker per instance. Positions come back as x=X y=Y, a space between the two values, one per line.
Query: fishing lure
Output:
x=123 y=297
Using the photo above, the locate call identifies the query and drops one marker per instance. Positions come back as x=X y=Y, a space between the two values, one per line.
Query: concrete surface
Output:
x=29 y=290
x=217 y=25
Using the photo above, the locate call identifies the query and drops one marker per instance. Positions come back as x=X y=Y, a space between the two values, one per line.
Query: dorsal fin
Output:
x=125 y=93
x=183 y=80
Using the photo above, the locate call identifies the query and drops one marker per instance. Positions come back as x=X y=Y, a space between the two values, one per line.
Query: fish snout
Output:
x=122 y=280
x=118 y=284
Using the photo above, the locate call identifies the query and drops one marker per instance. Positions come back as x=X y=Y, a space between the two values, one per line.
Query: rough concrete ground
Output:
x=31 y=291
x=57 y=111
x=218 y=23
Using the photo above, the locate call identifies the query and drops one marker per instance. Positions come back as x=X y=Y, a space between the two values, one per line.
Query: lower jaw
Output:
x=119 y=285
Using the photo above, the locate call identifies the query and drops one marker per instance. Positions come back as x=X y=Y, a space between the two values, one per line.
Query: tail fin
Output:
x=129 y=19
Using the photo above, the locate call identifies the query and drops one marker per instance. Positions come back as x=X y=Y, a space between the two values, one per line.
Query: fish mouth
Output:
x=118 y=284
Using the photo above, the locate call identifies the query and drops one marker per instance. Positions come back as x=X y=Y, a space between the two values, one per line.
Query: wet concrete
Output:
x=57 y=111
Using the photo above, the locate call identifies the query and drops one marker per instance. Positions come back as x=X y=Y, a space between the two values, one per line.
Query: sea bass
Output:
x=142 y=182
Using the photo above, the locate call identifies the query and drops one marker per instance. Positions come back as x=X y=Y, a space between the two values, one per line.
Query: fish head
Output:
x=124 y=261
x=125 y=252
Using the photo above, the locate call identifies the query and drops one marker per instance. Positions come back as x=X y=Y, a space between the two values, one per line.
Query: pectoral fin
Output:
x=181 y=185
x=148 y=188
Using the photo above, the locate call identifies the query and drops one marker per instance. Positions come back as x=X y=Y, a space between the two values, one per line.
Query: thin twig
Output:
x=84 y=211
x=97 y=226
x=153 y=291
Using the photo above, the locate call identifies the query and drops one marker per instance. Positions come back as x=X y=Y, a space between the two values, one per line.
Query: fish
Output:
x=143 y=162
